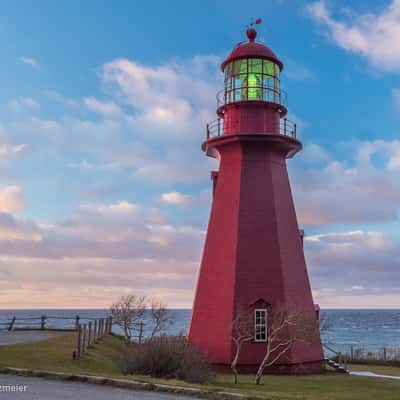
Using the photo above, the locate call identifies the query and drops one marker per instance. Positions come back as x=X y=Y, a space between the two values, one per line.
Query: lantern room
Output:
x=252 y=100
x=252 y=79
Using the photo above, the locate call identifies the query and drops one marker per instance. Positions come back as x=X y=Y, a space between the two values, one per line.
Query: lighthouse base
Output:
x=313 y=367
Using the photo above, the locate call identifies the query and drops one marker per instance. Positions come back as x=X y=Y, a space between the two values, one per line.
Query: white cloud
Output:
x=336 y=192
x=171 y=100
x=107 y=108
x=29 y=102
x=175 y=198
x=149 y=114
x=298 y=72
x=12 y=228
x=8 y=149
x=375 y=36
x=30 y=61
x=12 y=199
x=354 y=269
x=120 y=208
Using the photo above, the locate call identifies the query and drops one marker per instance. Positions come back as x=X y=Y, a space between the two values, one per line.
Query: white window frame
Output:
x=257 y=336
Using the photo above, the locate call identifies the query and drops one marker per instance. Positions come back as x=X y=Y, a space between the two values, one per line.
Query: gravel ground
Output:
x=42 y=389
x=26 y=336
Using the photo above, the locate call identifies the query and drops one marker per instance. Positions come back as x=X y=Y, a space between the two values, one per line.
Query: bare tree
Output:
x=160 y=315
x=128 y=313
x=287 y=325
x=242 y=332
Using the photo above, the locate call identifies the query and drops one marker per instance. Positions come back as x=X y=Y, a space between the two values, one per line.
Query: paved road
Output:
x=26 y=336
x=373 y=375
x=42 y=389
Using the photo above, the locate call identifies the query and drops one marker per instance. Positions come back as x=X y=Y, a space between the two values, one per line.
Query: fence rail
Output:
x=286 y=128
x=44 y=322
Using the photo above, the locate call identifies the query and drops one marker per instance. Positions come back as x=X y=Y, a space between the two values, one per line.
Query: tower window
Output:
x=260 y=325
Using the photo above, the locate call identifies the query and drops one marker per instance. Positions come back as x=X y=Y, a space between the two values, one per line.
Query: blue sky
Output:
x=103 y=186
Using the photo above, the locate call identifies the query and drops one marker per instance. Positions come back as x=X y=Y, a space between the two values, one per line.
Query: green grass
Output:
x=56 y=355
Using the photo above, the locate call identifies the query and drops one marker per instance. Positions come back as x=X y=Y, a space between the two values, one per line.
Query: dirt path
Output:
x=26 y=336
x=41 y=389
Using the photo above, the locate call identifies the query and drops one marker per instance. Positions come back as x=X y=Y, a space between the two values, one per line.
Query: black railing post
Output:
x=295 y=131
x=42 y=322
x=219 y=126
x=284 y=126
x=10 y=328
x=208 y=131
x=79 y=341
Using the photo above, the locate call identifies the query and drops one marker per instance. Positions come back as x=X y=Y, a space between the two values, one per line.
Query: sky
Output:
x=104 y=189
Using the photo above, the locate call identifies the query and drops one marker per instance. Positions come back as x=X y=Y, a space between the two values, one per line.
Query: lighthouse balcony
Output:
x=271 y=94
x=286 y=128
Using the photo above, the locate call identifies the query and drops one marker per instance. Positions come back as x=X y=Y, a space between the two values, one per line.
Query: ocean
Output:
x=370 y=330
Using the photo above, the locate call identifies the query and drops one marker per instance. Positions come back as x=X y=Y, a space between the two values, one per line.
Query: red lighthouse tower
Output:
x=253 y=256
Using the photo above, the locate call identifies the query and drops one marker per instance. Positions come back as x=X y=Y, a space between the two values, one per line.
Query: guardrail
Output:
x=252 y=93
x=216 y=128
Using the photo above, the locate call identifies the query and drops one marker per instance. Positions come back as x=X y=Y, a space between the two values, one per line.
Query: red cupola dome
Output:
x=251 y=49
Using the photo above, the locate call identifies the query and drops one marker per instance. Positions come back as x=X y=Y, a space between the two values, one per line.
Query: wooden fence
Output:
x=89 y=333
x=42 y=322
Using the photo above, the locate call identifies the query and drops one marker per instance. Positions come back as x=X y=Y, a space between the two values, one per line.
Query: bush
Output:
x=166 y=357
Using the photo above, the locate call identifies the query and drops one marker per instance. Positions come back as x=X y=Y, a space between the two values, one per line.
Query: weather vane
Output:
x=258 y=21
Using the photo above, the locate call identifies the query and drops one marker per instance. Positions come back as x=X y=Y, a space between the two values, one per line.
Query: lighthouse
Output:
x=253 y=256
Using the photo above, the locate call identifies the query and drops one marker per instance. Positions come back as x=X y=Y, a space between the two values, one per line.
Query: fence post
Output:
x=89 y=333
x=42 y=322
x=99 y=329
x=384 y=353
x=10 y=328
x=77 y=322
x=78 y=341
x=84 y=338
x=110 y=325
x=140 y=332
x=95 y=331
x=352 y=353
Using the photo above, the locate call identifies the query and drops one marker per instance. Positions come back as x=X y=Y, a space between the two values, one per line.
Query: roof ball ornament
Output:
x=251 y=33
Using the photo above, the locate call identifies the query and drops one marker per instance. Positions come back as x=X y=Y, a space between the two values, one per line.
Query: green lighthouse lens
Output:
x=251 y=79
x=253 y=82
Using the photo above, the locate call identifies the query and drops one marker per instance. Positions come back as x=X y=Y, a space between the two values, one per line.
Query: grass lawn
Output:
x=56 y=355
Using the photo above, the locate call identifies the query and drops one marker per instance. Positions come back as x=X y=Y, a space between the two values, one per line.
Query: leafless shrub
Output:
x=128 y=312
x=242 y=332
x=131 y=313
x=166 y=357
x=161 y=317
x=286 y=326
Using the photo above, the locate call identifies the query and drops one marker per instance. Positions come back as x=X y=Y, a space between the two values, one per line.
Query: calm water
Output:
x=367 y=329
